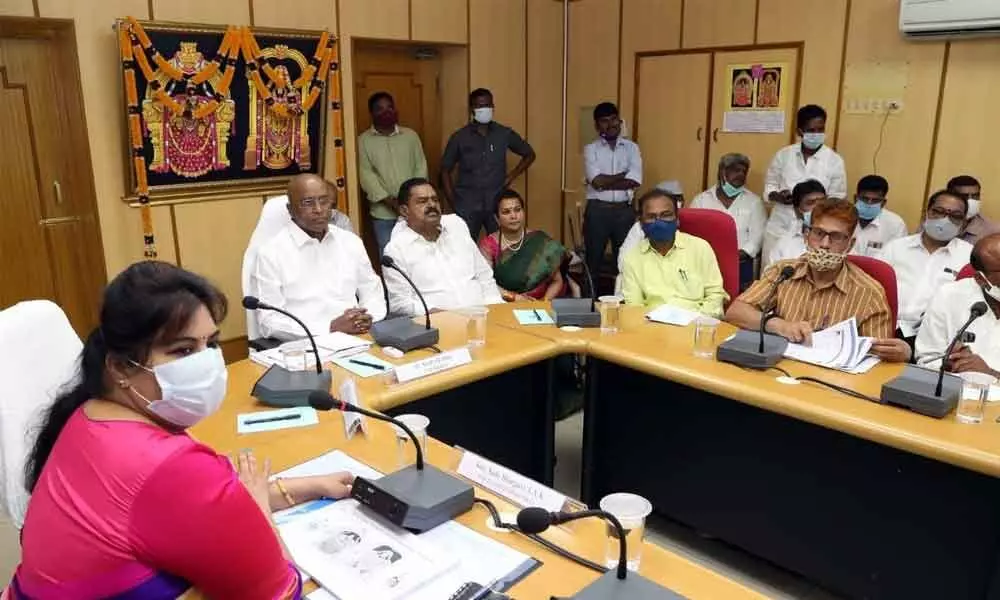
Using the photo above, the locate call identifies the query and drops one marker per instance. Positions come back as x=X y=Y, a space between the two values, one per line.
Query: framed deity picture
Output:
x=222 y=110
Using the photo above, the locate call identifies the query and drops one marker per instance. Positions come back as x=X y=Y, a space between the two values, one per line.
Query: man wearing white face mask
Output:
x=976 y=225
x=812 y=158
x=787 y=240
x=927 y=260
x=949 y=310
x=479 y=152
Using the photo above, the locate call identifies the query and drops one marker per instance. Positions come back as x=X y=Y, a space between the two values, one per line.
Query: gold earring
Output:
x=123 y=383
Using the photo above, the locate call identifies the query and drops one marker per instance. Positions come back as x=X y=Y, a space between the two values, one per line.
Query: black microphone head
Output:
x=534 y=520
x=978 y=309
x=251 y=302
x=787 y=272
x=321 y=400
x=387 y=261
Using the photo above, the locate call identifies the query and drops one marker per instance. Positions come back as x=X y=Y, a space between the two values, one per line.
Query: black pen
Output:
x=537 y=316
x=273 y=419
x=366 y=364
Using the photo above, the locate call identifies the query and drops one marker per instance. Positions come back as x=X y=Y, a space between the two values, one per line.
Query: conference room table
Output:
x=867 y=500
x=557 y=576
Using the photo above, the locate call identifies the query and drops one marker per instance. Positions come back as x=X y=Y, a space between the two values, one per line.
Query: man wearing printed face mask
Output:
x=825 y=289
x=479 y=152
x=388 y=155
x=809 y=159
x=877 y=225
x=783 y=241
x=671 y=267
x=949 y=310
x=925 y=261
x=976 y=225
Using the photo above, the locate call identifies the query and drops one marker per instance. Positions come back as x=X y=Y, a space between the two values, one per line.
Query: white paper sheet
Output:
x=671 y=315
x=836 y=347
x=329 y=345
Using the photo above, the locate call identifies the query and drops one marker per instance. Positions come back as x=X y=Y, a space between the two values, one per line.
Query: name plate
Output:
x=435 y=364
x=509 y=484
x=353 y=422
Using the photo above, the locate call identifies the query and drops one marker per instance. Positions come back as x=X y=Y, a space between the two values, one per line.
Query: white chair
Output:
x=273 y=218
x=40 y=357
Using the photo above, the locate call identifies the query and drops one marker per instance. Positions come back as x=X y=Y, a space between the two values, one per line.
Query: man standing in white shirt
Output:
x=784 y=240
x=877 y=225
x=438 y=254
x=613 y=168
x=315 y=271
x=949 y=310
x=925 y=261
x=745 y=207
x=809 y=159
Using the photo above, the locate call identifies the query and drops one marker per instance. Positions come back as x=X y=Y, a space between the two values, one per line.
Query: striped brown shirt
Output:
x=853 y=293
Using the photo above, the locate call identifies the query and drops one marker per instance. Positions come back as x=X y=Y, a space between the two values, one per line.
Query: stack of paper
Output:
x=330 y=345
x=671 y=315
x=838 y=347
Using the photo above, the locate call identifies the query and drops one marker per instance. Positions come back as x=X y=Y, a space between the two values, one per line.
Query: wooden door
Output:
x=672 y=118
x=760 y=147
x=50 y=245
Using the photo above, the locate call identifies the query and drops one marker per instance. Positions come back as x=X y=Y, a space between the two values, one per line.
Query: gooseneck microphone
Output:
x=975 y=311
x=254 y=303
x=389 y=262
x=757 y=349
x=402 y=332
x=536 y=520
x=784 y=276
x=418 y=497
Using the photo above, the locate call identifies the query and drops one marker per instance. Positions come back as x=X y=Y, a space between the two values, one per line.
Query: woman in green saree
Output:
x=526 y=264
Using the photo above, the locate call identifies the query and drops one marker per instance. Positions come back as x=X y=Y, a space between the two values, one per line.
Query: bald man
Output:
x=950 y=308
x=315 y=271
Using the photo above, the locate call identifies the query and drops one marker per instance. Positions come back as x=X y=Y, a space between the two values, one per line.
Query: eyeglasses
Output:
x=936 y=212
x=669 y=217
x=837 y=237
x=321 y=202
x=869 y=200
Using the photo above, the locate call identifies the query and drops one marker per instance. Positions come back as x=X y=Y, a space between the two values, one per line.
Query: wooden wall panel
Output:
x=875 y=52
x=969 y=123
x=216 y=12
x=718 y=23
x=385 y=19
x=17 y=8
x=454 y=91
x=545 y=27
x=497 y=61
x=308 y=14
x=820 y=23
x=212 y=237
x=646 y=25
x=440 y=21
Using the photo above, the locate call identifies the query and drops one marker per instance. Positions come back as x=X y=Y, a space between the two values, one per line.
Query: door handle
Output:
x=715 y=134
x=699 y=133
x=58 y=191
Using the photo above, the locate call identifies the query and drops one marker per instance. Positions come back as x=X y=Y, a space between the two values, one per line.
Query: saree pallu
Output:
x=530 y=269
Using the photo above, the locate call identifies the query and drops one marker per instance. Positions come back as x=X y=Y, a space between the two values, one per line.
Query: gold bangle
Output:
x=284 y=492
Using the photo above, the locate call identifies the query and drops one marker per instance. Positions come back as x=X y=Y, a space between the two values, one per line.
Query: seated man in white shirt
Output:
x=315 y=271
x=337 y=218
x=745 y=207
x=877 y=225
x=810 y=159
x=927 y=260
x=438 y=254
x=786 y=238
x=949 y=310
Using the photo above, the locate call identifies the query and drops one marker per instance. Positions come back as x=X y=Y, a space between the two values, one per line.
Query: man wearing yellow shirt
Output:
x=671 y=267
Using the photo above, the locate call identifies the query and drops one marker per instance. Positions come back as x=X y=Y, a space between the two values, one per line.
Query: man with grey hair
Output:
x=729 y=195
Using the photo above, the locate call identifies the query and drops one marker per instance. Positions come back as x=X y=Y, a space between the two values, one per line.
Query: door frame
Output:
x=799 y=47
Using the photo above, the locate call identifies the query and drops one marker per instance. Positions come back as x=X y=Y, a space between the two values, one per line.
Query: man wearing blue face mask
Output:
x=925 y=261
x=812 y=158
x=877 y=225
x=671 y=267
x=479 y=153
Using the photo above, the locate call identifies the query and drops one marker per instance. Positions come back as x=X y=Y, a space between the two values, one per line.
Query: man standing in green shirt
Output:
x=388 y=155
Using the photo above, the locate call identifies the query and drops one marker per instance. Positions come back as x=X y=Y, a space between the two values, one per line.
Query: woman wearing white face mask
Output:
x=135 y=506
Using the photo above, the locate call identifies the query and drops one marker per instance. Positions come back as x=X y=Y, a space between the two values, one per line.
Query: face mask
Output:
x=730 y=190
x=807 y=218
x=942 y=230
x=191 y=388
x=660 y=230
x=483 y=115
x=867 y=212
x=990 y=290
x=973 y=208
x=822 y=259
x=813 y=140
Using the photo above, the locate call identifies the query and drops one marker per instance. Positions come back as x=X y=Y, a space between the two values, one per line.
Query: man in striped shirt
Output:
x=824 y=289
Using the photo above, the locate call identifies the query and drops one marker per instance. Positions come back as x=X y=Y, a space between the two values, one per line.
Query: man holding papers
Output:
x=670 y=267
x=824 y=290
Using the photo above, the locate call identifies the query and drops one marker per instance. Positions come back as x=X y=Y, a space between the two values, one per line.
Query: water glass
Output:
x=631 y=510
x=297 y=359
x=405 y=453
x=975 y=390
x=611 y=309
x=704 y=336
x=476 y=332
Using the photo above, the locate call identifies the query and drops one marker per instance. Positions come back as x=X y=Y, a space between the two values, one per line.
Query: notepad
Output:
x=533 y=317
x=364 y=370
x=248 y=422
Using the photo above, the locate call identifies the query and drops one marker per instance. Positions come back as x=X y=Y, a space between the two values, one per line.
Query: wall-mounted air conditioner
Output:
x=949 y=18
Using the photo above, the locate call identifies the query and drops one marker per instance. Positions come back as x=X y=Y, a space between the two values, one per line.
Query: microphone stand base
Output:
x=283 y=388
x=743 y=349
x=914 y=390
x=633 y=587
x=577 y=312
x=403 y=333
x=414 y=499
